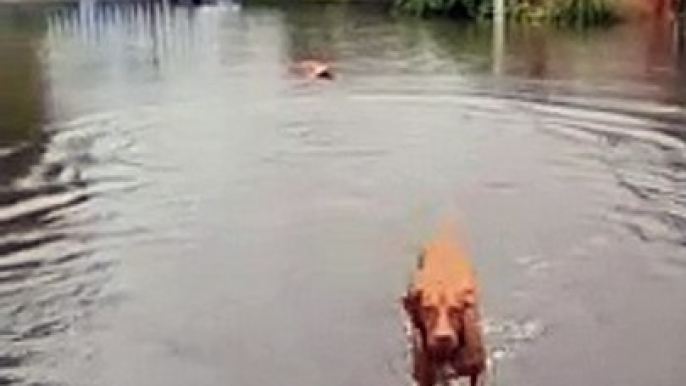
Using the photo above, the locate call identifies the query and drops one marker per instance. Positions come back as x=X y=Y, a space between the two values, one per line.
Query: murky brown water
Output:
x=177 y=209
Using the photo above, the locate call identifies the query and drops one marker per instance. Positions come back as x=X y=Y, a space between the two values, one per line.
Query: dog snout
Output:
x=443 y=345
x=444 y=342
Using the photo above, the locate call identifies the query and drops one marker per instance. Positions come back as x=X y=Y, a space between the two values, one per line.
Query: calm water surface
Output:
x=177 y=209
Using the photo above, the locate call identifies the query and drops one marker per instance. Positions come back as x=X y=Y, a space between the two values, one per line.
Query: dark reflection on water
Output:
x=50 y=277
x=176 y=208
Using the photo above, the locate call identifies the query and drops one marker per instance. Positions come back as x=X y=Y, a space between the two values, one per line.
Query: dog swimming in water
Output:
x=314 y=69
x=442 y=305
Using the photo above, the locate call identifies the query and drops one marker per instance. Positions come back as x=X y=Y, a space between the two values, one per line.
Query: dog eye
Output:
x=454 y=312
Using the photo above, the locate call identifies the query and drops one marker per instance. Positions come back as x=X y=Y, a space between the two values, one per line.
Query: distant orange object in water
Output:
x=314 y=69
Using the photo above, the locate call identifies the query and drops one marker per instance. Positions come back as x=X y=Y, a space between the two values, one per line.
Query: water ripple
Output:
x=53 y=273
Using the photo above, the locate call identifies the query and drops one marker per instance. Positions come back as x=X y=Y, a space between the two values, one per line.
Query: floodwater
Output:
x=176 y=208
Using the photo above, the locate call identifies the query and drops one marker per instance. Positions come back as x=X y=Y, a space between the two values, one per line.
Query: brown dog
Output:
x=443 y=306
x=314 y=69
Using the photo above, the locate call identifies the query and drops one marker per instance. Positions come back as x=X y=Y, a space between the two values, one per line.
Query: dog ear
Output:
x=411 y=303
x=472 y=354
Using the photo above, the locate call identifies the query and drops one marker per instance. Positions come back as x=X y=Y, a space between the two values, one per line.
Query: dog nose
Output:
x=444 y=341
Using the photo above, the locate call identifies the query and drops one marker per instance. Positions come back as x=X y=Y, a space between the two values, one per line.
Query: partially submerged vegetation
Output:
x=561 y=12
x=456 y=8
x=568 y=12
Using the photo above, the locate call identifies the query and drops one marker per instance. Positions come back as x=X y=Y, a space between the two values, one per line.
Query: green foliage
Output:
x=576 y=13
x=580 y=13
x=584 y=12
x=423 y=8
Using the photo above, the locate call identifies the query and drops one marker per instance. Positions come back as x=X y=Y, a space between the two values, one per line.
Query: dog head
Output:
x=440 y=315
x=315 y=69
x=325 y=74
x=322 y=71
